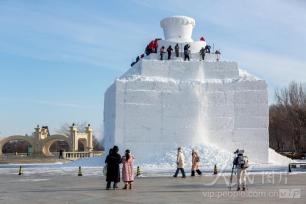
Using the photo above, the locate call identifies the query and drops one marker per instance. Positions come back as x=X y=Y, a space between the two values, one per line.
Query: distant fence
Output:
x=56 y=155
x=300 y=165
x=78 y=155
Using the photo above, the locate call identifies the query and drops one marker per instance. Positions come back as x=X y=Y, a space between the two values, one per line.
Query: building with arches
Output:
x=41 y=140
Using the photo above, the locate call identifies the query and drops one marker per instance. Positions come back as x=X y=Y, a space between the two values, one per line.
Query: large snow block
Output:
x=160 y=105
x=184 y=70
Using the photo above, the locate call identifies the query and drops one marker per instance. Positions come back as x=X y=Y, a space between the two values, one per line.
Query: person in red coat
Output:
x=169 y=51
x=155 y=46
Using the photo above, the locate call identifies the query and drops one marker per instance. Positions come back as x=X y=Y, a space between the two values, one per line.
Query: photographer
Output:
x=241 y=163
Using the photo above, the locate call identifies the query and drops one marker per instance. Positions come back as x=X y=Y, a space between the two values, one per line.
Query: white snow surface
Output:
x=160 y=105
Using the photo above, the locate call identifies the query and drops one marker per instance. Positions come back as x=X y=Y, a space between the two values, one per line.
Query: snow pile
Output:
x=244 y=75
x=209 y=154
x=277 y=158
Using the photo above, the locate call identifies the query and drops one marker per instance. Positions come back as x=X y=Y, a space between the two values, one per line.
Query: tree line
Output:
x=287 y=119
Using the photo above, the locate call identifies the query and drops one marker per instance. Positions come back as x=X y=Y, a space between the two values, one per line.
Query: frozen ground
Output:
x=158 y=164
x=45 y=188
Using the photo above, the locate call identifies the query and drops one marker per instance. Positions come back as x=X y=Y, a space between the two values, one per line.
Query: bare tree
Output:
x=287 y=127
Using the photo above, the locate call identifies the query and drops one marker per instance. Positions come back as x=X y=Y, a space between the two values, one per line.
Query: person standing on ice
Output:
x=241 y=163
x=177 y=50
x=113 y=161
x=180 y=162
x=169 y=51
x=195 y=163
x=162 y=51
x=127 y=169
x=186 y=52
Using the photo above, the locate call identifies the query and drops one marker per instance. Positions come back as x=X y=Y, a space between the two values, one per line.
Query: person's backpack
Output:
x=243 y=162
x=235 y=162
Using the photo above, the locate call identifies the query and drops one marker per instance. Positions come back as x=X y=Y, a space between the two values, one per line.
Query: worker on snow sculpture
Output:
x=137 y=59
x=195 y=163
x=202 y=53
x=169 y=51
x=162 y=51
x=177 y=50
x=155 y=46
x=218 y=53
x=147 y=50
x=241 y=163
x=186 y=52
x=180 y=162
x=207 y=48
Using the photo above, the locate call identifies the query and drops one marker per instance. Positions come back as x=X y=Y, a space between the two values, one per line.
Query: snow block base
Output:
x=159 y=105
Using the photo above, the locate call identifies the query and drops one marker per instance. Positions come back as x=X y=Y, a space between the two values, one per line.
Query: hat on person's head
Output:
x=115 y=149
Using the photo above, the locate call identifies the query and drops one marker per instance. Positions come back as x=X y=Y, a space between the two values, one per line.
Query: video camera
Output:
x=239 y=151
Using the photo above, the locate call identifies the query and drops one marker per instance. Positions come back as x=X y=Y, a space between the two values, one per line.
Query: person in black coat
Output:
x=202 y=53
x=186 y=52
x=169 y=51
x=113 y=171
x=177 y=50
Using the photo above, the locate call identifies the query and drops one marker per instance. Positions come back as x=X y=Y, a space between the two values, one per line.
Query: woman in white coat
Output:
x=180 y=161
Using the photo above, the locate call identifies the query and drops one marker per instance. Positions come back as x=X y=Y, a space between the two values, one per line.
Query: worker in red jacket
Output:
x=155 y=46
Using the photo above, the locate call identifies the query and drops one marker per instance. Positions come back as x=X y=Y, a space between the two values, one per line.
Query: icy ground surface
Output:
x=157 y=165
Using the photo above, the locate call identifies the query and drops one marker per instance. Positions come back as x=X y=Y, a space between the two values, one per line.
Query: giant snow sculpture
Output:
x=157 y=105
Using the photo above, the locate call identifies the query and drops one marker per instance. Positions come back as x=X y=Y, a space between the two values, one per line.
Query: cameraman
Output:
x=241 y=163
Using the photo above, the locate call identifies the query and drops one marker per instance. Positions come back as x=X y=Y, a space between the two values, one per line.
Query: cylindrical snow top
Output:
x=178 y=28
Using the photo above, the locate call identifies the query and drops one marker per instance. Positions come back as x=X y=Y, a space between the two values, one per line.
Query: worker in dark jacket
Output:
x=202 y=53
x=113 y=171
x=162 y=51
x=186 y=52
x=207 y=48
x=169 y=51
x=177 y=50
x=218 y=53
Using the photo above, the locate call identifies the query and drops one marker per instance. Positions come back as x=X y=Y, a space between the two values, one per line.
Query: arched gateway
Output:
x=41 y=140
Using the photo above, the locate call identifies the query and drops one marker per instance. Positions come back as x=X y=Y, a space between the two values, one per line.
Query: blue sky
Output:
x=57 y=57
